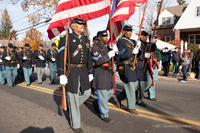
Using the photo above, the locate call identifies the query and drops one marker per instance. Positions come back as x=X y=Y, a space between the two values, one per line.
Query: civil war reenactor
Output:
x=127 y=71
x=11 y=64
x=2 y=68
x=40 y=61
x=143 y=67
x=155 y=66
x=26 y=58
x=95 y=40
x=51 y=57
x=103 y=74
x=81 y=74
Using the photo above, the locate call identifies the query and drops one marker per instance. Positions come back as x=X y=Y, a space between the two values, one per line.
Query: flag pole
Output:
x=111 y=43
x=141 y=24
x=111 y=35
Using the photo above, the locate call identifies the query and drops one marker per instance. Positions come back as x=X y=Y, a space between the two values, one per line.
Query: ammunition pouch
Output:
x=121 y=66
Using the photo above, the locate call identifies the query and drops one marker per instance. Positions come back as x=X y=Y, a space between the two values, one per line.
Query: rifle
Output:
x=24 y=46
x=51 y=50
x=153 y=84
x=66 y=53
x=37 y=43
x=8 y=43
x=140 y=33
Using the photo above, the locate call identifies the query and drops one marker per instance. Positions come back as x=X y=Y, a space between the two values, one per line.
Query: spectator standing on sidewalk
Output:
x=197 y=63
x=166 y=60
x=175 y=60
x=186 y=60
x=191 y=54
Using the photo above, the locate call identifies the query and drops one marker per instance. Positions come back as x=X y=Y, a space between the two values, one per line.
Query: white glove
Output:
x=1 y=60
x=41 y=58
x=18 y=66
x=91 y=77
x=25 y=58
x=32 y=65
x=8 y=58
x=147 y=55
x=115 y=48
x=139 y=43
x=136 y=50
x=53 y=59
x=63 y=80
x=111 y=54
x=152 y=40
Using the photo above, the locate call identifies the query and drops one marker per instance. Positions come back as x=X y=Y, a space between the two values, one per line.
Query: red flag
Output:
x=85 y=9
x=125 y=9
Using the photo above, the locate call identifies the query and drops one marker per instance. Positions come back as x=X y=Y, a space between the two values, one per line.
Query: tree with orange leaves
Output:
x=32 y=34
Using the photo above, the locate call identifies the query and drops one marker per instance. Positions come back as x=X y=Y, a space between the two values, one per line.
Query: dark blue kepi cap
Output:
x=95 y=38
x=127 y=28
x=10 y=45
x=102 y=33
x=41 y=45
x=26 y=45
x=77 y=20
x=144 y=33
x=54 y=44
x=166 y=48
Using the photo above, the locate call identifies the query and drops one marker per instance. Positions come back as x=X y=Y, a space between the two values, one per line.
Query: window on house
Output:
x=198 y=11
x=166 y=20
x=194 y=39
x=167 y=38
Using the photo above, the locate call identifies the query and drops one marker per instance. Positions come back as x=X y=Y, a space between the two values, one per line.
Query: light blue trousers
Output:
x=175 y=69
x=53 y=70
x=27 y=74
x=11 y=74
x=74 y=101
x=151 y=89
x=102 y=101
x=40 y=72
x=129 y=93
x=2 y=75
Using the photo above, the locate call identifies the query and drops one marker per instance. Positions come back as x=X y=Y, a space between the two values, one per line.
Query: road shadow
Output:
x=57 y=96
x=32 y=129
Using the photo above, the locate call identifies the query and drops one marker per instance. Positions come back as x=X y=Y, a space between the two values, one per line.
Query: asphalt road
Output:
x=36 y=109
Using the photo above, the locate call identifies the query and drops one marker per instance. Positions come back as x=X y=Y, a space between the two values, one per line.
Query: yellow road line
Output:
x=165 y=116
x=157 y=119
x=49 y=91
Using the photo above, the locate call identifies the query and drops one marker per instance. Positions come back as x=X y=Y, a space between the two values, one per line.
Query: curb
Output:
x=177 y=79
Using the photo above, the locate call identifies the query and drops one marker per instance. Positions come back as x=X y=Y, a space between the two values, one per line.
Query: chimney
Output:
x=158 y=7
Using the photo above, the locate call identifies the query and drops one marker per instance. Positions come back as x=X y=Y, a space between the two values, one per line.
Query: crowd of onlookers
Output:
x=185 y=60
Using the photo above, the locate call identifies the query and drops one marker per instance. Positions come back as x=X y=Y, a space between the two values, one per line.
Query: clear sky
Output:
x=20 y=21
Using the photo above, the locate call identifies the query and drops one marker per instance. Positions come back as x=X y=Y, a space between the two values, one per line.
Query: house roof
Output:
x=176 y=10
x=189 y=20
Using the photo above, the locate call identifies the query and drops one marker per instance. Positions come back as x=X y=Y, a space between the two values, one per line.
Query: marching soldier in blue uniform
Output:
x=155 y=66
x=103 y=74
x=127 y=71
x=40 y=61
x=2 y=69
x=26 y=58
x=11 y=62
x=51 y=57
x=78 y=86
x=143 y=68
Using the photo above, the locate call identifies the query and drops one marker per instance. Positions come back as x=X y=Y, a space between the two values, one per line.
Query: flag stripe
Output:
x=85 y=9
x=125 y=9
x=79 y=3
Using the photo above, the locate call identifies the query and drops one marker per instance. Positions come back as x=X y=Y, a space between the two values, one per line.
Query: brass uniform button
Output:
x=80 y=46
x=81 y=62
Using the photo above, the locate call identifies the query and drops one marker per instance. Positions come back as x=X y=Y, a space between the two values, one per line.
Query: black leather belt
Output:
x=77 y=65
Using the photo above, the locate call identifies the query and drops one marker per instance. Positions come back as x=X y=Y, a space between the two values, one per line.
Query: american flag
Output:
x=116 y=26
x=125 y=9
x=85 y=9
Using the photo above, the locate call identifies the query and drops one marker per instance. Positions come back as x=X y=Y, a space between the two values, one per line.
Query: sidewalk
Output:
x=172 y=78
